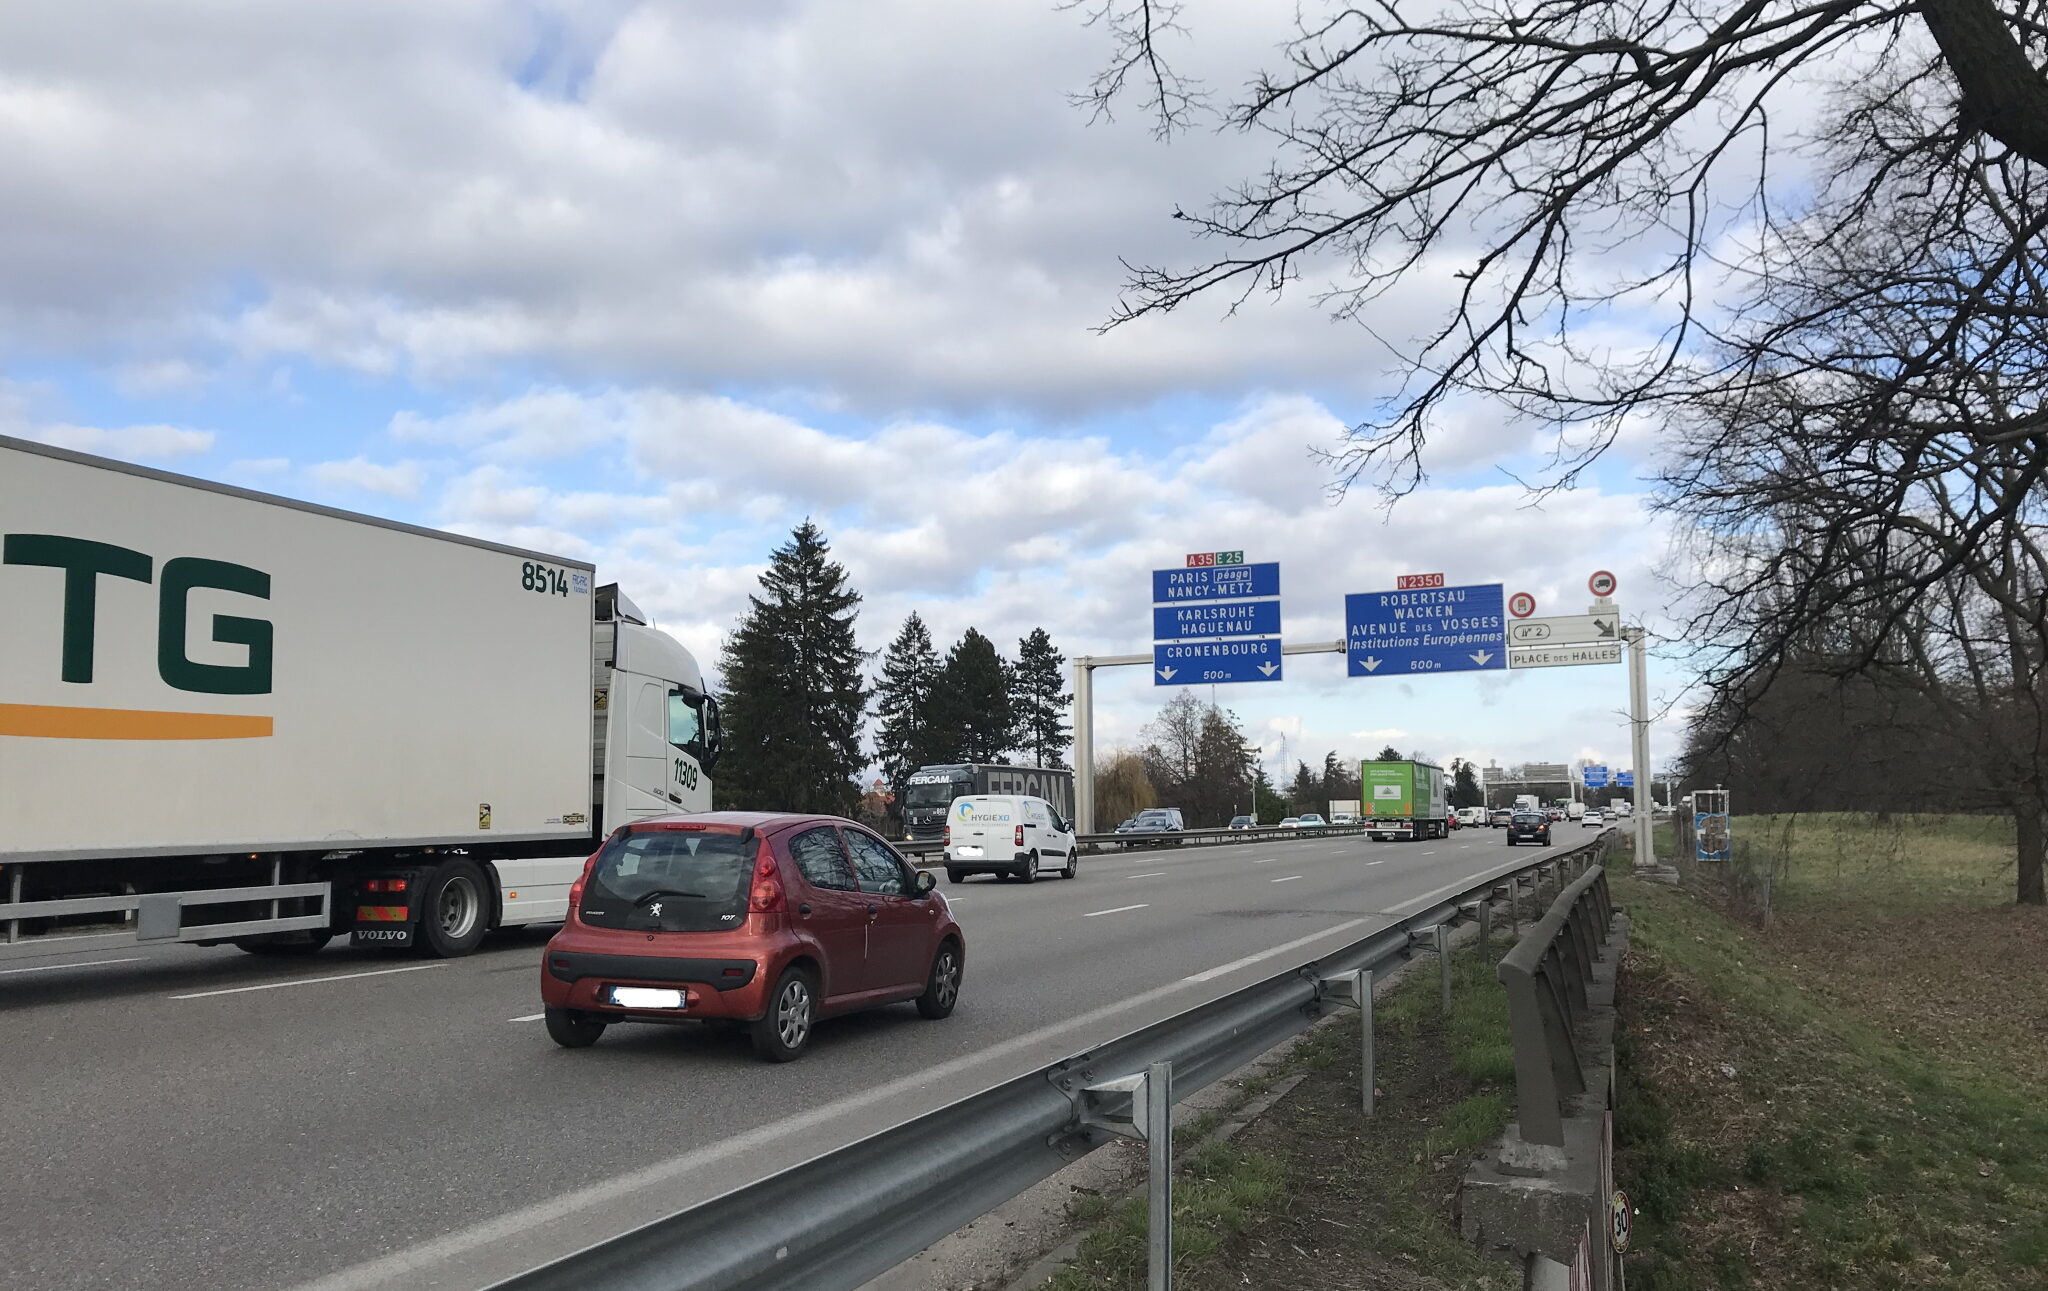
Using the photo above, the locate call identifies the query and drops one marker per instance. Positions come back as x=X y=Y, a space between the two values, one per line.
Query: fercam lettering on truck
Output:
x=232 y=717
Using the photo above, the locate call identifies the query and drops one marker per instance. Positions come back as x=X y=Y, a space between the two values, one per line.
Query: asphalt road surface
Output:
x=180 y=1117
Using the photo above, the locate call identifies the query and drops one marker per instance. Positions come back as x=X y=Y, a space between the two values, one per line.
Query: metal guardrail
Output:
x=1545 y=975
x=835 y=1222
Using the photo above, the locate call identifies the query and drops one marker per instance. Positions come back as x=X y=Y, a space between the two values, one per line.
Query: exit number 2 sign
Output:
x=1409 y=582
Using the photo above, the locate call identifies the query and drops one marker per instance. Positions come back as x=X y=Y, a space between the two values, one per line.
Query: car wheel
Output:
x=1073 y=865
x=573 y=1029
x=942 y=986
x=1511 y=842
x=454 y=909
x=784 y=1032
x=955 y=876
x=1029 y=874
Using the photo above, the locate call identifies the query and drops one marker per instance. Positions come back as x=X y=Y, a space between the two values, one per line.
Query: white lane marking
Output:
x=1266 y=860
x=1370 y=864
x=1289 y=879
x=1117 y=910
x=1431 y=852
x=76 y=963
x=401 y=1268
x=1211 y=974
x=1148 y=874
x=309 y=981
x=531 y=1017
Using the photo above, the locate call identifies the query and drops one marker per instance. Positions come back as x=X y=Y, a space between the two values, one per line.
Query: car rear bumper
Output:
x=717 y=988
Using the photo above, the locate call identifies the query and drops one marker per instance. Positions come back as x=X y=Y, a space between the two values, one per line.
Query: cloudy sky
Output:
x=647 y=284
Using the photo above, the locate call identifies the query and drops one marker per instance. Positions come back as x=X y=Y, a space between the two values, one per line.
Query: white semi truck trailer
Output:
x=232 y=717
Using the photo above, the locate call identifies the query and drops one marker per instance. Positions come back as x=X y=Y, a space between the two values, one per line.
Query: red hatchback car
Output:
x=770 y=921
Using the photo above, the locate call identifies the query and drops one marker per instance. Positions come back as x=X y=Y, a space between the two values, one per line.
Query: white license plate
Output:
x=967 y=853
x=646 y=997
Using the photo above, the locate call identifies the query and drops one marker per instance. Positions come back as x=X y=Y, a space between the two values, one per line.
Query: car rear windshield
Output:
x=1155 y=818
x=669 y=880
x=1531 y=818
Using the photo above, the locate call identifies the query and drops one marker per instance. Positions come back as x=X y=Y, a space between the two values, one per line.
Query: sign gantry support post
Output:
x=1639 y=733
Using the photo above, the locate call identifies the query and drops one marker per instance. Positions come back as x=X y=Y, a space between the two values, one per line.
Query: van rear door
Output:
x=985 y=823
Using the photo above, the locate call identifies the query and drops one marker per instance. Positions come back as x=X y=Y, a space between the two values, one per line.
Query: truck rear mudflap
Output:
x=383 y=914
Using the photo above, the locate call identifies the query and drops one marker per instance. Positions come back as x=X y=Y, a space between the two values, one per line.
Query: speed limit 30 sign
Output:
x=1601 y=583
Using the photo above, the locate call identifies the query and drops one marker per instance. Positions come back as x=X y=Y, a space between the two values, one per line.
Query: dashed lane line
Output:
x=1115 y=910
x=308 y=981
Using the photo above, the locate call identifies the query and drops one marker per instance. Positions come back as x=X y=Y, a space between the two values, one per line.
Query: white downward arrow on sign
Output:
x=1481 y=657
x=1269 y=668
x=1369 y=663
x=1166 y=674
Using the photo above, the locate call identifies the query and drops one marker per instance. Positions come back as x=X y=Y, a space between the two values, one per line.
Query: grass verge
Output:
x=1314 y=1195
x=1783 y=1121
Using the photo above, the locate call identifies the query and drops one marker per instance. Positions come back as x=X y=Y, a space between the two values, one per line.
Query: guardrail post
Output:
x=1443 y=959
x=1159 y=1190
x=1486 y=924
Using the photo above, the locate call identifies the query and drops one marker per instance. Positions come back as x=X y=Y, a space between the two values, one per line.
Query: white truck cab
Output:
x=1010 y=836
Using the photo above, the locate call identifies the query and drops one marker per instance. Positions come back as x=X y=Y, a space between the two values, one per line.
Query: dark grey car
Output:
x=1529 y=827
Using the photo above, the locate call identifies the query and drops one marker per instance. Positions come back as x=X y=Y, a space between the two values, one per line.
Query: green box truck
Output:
x=1403 y=800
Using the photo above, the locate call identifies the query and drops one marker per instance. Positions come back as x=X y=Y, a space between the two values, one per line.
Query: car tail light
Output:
x=766 y=898
x=947 y=838
x=1020 y=835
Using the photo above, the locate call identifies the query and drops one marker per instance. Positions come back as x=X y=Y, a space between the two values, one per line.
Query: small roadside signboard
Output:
x=1207 y=620
x=1425 y=630
x=1563 y=656
x=1566 y=629
x=1202 y=663
x=1216 y=620
x=1624 y=779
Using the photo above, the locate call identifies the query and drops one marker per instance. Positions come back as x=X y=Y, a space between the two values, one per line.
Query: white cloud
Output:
x=129 y=442
x=397 y=480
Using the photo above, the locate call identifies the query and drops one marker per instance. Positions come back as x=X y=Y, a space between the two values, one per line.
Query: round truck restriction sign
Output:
x=1601 y=584
x=1521 y=605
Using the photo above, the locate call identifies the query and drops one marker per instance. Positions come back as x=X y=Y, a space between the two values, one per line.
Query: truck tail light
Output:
x=386 y=885
x=1020 y=835
x=766 y=897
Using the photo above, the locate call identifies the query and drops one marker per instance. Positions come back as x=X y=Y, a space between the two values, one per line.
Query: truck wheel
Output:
x=454 y=909
x=284 y=944
x=573 y=1029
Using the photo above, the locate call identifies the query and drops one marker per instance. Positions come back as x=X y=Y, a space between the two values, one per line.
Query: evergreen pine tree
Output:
x=903 y=703
x=794 y=695
x=1041 y=701
x=972 y=716
x=1302 y=794
x=1389 y=754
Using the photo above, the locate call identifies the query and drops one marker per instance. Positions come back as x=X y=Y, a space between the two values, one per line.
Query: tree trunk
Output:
x=2004 y=94
x=2031 y=819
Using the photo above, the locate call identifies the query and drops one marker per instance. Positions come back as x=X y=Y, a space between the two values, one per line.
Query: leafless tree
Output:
x=1829 y=218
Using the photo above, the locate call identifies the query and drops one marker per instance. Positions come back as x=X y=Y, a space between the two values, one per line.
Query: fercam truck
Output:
x=1404 y=800
x=930 y=790
x=232 y=717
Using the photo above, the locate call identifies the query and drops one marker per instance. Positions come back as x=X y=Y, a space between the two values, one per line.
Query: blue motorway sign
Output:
x=1211 y=619
x=1436 y=629
x=1215 y=583
x=1625 y=780
x=1200 y=663
x=1594 y=777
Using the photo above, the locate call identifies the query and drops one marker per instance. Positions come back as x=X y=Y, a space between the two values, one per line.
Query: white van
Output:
x=1008 y=836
